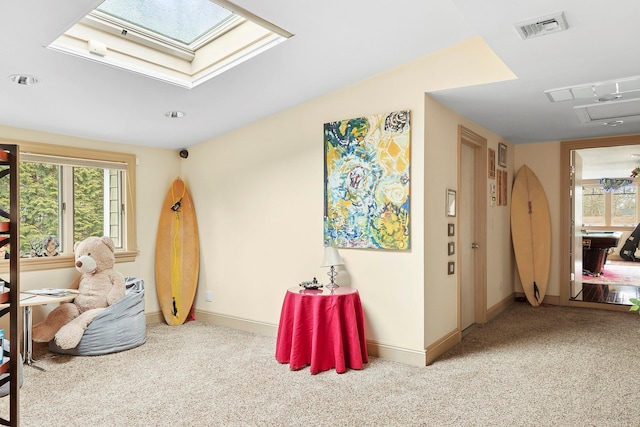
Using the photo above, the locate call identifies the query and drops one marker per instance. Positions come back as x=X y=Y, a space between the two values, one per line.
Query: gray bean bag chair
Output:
x=119 y=327
x=4 y=388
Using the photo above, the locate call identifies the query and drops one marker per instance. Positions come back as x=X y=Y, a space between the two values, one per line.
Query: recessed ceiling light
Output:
x=174 y=114
x=23 y=79
x=614 y=123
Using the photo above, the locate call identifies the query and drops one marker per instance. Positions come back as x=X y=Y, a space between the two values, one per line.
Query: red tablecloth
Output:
x=322 y=329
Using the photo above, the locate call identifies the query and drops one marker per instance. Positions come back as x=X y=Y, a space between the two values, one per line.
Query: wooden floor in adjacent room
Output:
x=618 y=282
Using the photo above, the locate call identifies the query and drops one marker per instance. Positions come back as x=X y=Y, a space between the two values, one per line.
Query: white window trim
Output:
x=607 y=208
x=130 y=251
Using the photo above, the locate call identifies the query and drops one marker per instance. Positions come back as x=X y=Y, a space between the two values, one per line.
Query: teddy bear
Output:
x=99 y=286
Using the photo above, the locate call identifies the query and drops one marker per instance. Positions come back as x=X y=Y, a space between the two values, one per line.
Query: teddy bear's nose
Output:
x=78 y=264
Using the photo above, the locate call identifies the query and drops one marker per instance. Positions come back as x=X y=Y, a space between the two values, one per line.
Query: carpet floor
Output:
x=530 y=366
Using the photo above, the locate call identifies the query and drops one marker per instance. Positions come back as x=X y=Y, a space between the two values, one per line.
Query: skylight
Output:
x=182 y=21
x=183 y=42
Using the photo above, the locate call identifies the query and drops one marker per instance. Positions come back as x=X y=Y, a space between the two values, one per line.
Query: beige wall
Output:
x=441 y=166
x=544 y=160
x=258 y=195
x=152 y=184
x=500 y=258
x=258 y=192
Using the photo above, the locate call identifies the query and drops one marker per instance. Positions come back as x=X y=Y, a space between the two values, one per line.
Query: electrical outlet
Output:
x=208 y=296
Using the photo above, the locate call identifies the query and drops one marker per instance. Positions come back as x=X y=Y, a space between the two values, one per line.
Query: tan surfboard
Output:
x=177 y=254
x=531 y=234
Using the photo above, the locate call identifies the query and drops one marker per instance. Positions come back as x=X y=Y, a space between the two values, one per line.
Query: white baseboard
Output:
x=548 y=299
x=239 y=323
x=443 y=345
x=156 y=317
x=374 y=349
x=396 y=354
x=500 y=306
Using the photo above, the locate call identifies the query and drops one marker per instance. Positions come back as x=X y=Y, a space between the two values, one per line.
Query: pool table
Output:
x=595 y=246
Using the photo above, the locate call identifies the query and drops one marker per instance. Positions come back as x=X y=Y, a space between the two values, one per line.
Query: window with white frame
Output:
x=67 y=195
x=615 y=208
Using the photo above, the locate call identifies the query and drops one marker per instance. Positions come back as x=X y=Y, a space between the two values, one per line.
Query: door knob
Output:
x=474 y=246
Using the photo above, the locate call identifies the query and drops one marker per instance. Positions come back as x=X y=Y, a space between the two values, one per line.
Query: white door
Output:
x=467 y=233
x=576 y=224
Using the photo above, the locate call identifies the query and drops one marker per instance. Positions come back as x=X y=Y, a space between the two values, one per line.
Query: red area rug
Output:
x=618 y=283
x=616 y=273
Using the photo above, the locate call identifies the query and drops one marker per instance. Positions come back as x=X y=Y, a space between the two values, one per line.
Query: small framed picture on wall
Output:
x=505 y=185
x=450 y=204
x=492 y=163
x=451 y=230
x=499 y=187
x=502 y=155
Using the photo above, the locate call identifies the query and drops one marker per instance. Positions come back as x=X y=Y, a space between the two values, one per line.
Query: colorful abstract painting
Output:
x=367 y=163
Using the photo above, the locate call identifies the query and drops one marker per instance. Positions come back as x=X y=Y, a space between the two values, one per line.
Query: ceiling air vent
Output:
x=542 y=26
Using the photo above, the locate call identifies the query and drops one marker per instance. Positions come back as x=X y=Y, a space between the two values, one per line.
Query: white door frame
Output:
x=479 y=144
x=565 y=214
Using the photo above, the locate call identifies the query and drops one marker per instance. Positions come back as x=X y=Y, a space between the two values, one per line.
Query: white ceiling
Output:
x=336 y=43
x=595 y=48
x=610 y=162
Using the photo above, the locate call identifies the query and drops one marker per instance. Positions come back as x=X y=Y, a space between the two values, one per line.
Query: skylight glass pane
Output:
x=182 y=20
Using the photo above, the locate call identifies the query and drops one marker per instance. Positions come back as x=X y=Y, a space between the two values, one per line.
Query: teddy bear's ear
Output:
x=75 y=246
x=107 y=241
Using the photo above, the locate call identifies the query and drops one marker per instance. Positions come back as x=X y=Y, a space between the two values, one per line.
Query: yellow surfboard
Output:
x=531 y=234
x=177 y=254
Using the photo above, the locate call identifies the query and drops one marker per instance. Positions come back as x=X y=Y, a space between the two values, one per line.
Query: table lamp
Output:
x=331 y=259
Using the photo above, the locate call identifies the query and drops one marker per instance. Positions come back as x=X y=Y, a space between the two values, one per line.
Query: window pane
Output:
x=88 y=203
x=115 y=202
x=39 y=208
x=623 y=206
x=181 y=20
x=96 y=204
x=48 y=201
x=593 y=199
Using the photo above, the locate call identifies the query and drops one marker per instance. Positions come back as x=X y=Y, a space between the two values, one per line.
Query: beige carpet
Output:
x=544 y=366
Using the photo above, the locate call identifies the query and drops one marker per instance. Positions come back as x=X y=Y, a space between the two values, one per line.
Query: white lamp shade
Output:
x=331 y=257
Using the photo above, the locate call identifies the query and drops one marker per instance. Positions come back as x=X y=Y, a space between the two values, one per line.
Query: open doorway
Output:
x=600 y=212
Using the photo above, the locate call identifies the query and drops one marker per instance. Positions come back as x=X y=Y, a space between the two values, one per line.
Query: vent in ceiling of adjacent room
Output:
x=542 y=26
x=613 y=90
x=610 y=113
x=611 y=103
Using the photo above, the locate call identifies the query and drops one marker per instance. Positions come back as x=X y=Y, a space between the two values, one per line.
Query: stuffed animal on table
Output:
x=99 y=286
